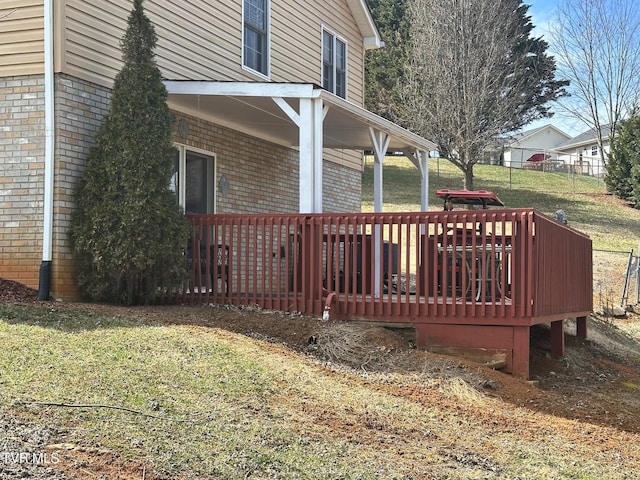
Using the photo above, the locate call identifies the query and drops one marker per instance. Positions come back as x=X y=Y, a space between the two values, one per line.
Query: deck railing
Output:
x=502 y=264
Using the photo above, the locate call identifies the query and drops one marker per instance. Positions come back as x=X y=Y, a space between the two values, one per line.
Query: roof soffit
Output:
x=253 y=111
x=362 y=15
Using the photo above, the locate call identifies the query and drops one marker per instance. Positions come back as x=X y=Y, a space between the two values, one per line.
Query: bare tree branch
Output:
x=598 y=49
x=97 y=406
x=475 y=73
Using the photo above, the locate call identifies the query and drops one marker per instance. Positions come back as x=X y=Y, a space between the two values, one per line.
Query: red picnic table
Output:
x=469 y=197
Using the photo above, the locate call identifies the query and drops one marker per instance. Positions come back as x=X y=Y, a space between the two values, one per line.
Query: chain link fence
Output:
x=616 y=279
x=584 y=162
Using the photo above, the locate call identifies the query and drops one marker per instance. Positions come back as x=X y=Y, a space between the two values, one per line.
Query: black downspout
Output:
x=45 y=280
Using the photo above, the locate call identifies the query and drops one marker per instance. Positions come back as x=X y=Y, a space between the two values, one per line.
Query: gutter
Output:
x=49 y=125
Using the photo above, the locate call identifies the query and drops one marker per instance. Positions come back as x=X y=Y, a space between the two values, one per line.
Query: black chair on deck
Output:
x=218 y=263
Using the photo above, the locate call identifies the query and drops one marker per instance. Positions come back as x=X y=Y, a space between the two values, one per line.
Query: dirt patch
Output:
x=597 y=381
x=79 y=463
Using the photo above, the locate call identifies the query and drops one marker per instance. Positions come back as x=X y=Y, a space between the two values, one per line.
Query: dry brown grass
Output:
x=358 y=345
x=363 y=406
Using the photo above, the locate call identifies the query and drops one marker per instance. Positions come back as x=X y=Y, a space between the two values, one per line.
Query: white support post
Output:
x=423 y=160
x=307 y=171
x=420 y=159
x=305 y=122
x=380 y=143
x=319 y=112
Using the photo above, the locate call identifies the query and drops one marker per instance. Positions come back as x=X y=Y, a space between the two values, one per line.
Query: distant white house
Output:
x=528 y=147
x=549 y=148
x=583 y=152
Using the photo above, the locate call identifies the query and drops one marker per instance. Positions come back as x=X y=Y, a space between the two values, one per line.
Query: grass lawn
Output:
x=210 y=402
x=610 y=224
x=174 y=399
x=195 y=402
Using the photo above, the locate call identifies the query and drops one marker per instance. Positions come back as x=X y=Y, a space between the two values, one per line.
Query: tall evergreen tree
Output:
x=384 y=67
x=128 y=230
x=623 y=170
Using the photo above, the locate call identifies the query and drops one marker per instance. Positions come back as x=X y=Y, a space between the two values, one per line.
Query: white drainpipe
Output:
x=49 y=132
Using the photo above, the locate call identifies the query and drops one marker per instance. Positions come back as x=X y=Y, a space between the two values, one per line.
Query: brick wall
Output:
x=80 y=108
x=341 y=188
x=22 y=177
x=262 y=177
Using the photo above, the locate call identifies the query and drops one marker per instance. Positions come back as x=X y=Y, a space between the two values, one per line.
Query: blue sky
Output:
x=542 y=13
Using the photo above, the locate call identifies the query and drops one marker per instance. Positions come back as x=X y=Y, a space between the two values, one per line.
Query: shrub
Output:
x=623 y=170
x=128 y=231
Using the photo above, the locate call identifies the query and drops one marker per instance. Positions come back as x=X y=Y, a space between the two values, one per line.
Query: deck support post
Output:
x=581 y=327
x=520 y=355
x=557 y=338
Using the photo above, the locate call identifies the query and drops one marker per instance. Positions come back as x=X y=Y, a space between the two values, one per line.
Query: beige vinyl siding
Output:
x=202 y=40
x=296 y=42
x=22 y=37
x=201 y=43
x=91 y=42
x=296 y=52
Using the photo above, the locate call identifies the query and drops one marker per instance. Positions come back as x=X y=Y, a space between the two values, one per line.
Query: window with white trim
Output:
x=334 y=64
x=255 y=36
x=193 y=180
x=594 y=150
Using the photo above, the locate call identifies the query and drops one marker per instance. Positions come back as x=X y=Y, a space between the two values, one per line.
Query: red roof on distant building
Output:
x=538 y=157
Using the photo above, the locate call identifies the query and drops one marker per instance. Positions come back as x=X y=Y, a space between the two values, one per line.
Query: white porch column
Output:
x=380 y=142
x=318 y=113
x=305 y=122
x=420 y=159
x=307 y=171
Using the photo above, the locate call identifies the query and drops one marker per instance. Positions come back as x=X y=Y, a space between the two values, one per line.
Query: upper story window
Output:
x=334 y=64
x=594 y=150
x=255 y=35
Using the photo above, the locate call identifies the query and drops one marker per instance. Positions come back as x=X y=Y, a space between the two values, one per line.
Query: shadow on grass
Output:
x=68 y=318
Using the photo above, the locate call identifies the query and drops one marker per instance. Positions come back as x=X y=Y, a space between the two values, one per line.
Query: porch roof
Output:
x=252 y=108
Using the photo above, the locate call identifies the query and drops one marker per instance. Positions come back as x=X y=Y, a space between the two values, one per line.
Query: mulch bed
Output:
x=15 y=292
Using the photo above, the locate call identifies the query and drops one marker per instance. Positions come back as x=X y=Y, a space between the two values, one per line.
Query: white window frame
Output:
x=267 y=74
x=335 y=38
x=182 y=170
x=594 y=150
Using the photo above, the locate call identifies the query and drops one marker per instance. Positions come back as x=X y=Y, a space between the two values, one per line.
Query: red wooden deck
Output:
x=468 y=281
